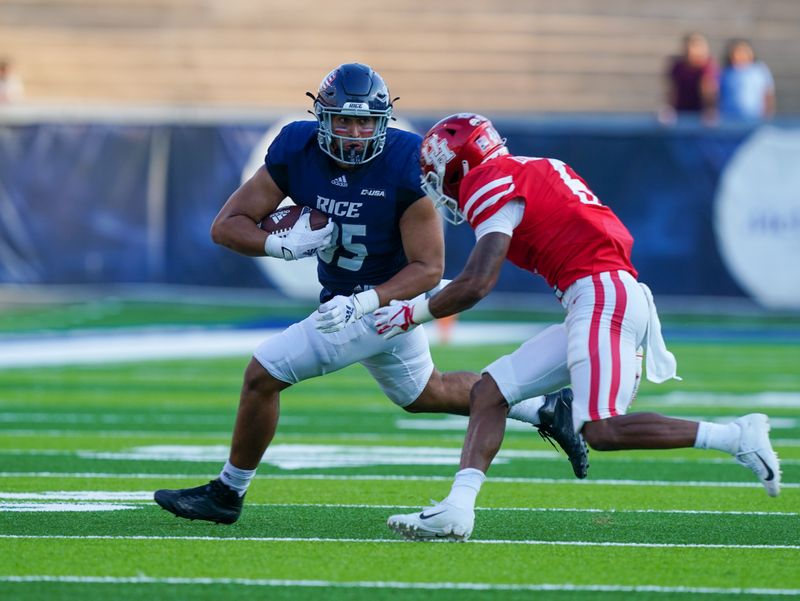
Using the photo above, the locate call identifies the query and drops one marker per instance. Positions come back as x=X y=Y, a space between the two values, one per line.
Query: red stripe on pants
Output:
x=616 y=329
x=594 y=347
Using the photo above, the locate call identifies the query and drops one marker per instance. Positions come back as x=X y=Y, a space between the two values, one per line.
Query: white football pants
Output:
x=597 y=350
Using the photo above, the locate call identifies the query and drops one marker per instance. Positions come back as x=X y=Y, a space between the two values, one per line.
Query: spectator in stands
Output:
x=10 y=83
x=746 y=87
x=691 y=81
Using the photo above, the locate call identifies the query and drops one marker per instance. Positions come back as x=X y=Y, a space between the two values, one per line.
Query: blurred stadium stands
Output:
x=146 y=111
x=503 y=55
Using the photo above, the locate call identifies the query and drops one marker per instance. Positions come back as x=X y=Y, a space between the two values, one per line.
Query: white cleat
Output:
x=755 y=451
x=443 y=522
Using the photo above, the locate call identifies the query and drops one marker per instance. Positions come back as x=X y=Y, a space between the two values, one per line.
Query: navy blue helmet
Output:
x=354 y=90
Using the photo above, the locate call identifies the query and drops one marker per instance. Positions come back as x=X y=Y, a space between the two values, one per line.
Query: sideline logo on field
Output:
x=757 y=217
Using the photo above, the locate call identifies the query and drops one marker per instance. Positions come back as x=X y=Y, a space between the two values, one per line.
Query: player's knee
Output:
x=427 y=402
x=485 y=394
x=599 y=435
x=416 y=407
x=258 y=383
x=430 y=400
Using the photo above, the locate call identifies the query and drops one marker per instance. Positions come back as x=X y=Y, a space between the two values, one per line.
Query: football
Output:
x=281 y=220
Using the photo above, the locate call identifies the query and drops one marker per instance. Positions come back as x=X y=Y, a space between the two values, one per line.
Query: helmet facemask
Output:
x=341 y=148
x=443 y=190
x=433 y=187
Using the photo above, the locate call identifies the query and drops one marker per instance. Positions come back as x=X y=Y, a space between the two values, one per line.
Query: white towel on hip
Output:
x=660 y=363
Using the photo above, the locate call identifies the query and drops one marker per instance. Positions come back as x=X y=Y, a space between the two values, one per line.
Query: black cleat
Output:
x=213 y=502
x=555 y=418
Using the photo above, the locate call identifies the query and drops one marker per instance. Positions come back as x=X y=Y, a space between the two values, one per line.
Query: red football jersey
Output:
x=565 y=233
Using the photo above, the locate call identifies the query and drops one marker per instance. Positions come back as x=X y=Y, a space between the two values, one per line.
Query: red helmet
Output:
x=450 y=149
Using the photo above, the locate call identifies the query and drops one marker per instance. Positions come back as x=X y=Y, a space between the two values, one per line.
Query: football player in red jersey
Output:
x=539 y=214
x=385 y=241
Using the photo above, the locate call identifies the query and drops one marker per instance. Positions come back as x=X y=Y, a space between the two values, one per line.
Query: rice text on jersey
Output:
x=340 y=208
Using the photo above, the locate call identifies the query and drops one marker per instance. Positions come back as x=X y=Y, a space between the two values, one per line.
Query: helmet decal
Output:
x=435 y=151
x=356 y=107
x=450 y=150
x=328 y=81
x=482 y=143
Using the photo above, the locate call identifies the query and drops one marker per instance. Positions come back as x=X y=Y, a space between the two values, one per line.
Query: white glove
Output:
x=300 y=241
x=341 y=311
x=401 y=316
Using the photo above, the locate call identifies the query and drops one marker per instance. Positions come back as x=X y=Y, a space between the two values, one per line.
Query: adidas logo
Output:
x=340 y=181
x=278 y=215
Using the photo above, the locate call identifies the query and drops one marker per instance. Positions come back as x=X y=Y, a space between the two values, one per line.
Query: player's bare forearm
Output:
x=239 y=233
x=236 y=224
x=476 y=280
x=414 y=279
x=423 y=243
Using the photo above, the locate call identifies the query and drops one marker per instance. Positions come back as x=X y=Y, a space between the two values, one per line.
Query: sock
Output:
x=235 y=478
x=527 y=411
x=466 y=487
x=721 y=437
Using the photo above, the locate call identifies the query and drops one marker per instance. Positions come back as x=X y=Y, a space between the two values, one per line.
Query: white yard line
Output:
x=363 y=477
x=400 y=585
x=146 y=497
x=314 y=539
x=86 y=417
x=471 y=586
x=537 y=509
x=545 y=455
x=63 y=507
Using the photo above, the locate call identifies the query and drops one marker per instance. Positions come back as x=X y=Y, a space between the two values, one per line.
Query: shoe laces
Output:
x=548 y=438
x=220 y=489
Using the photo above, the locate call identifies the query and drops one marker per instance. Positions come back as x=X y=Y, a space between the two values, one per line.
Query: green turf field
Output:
x=83 y=447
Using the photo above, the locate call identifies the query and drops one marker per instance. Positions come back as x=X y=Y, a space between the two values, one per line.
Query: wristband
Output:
x=273 y=247
x=421 y=313
x=368 y=301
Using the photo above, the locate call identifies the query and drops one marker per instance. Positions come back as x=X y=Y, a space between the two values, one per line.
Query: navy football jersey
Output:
x=365 y=202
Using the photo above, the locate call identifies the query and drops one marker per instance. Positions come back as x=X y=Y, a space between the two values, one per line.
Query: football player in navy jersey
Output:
x=383 y=241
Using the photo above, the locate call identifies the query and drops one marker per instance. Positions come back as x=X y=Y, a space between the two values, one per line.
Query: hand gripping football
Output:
x=281 y=220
